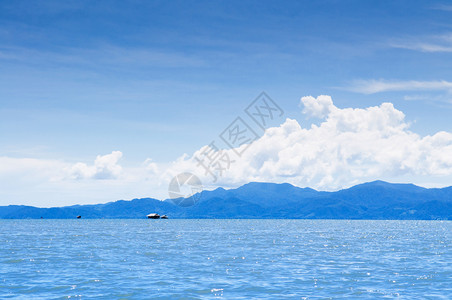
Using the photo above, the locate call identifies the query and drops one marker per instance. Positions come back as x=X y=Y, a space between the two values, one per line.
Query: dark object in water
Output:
x=164 y=217
x=79 y=217
x=153 y=216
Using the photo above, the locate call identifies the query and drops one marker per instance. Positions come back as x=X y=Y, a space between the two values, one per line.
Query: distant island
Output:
x=374 y=200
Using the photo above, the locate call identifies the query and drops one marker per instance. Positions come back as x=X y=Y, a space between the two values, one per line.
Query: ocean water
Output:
x=229 y=259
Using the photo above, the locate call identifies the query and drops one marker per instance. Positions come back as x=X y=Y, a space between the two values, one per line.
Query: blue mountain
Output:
x=372 y=200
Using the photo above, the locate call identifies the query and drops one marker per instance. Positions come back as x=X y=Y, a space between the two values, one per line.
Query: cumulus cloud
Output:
x=318 y=107
x=346 y=147
x=349 y=146
x=151 y=167
x=52 y=182
x=104 y=167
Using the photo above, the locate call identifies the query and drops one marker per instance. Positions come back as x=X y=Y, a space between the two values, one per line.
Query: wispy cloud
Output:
x=443 y=7
x=377 y=86
x=106 y=56
x=432 y=43
x=437 y=43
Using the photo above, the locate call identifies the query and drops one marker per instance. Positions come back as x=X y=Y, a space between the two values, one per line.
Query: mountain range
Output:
x=373 y=200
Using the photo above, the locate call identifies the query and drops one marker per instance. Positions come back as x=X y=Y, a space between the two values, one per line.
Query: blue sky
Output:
x=157 y=79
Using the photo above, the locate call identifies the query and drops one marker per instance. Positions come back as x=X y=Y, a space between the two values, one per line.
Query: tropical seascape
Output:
x=228 y=259
x=233 y=149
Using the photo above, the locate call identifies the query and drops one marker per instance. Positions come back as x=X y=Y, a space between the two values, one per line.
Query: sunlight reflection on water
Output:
x=231 y=259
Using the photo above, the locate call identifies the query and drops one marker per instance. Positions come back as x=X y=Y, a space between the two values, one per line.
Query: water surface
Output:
x=230 y=259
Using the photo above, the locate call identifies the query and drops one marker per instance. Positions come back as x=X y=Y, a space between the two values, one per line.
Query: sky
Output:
x=109 y=100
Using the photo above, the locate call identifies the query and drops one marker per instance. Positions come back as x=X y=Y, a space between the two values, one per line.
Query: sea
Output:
x=225 y=259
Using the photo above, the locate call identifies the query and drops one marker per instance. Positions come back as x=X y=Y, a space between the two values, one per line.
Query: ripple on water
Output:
x=231 y=259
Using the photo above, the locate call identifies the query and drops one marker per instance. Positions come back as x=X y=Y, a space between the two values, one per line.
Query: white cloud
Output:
x=106 y=56
x=425 y=47
x=378 y=86
x=437 y=43
x=105 y=167
x=442 y=7
x=46 y=182
x=26 y=168
x=151 y=167
x=348 y=147
x=318 y=107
